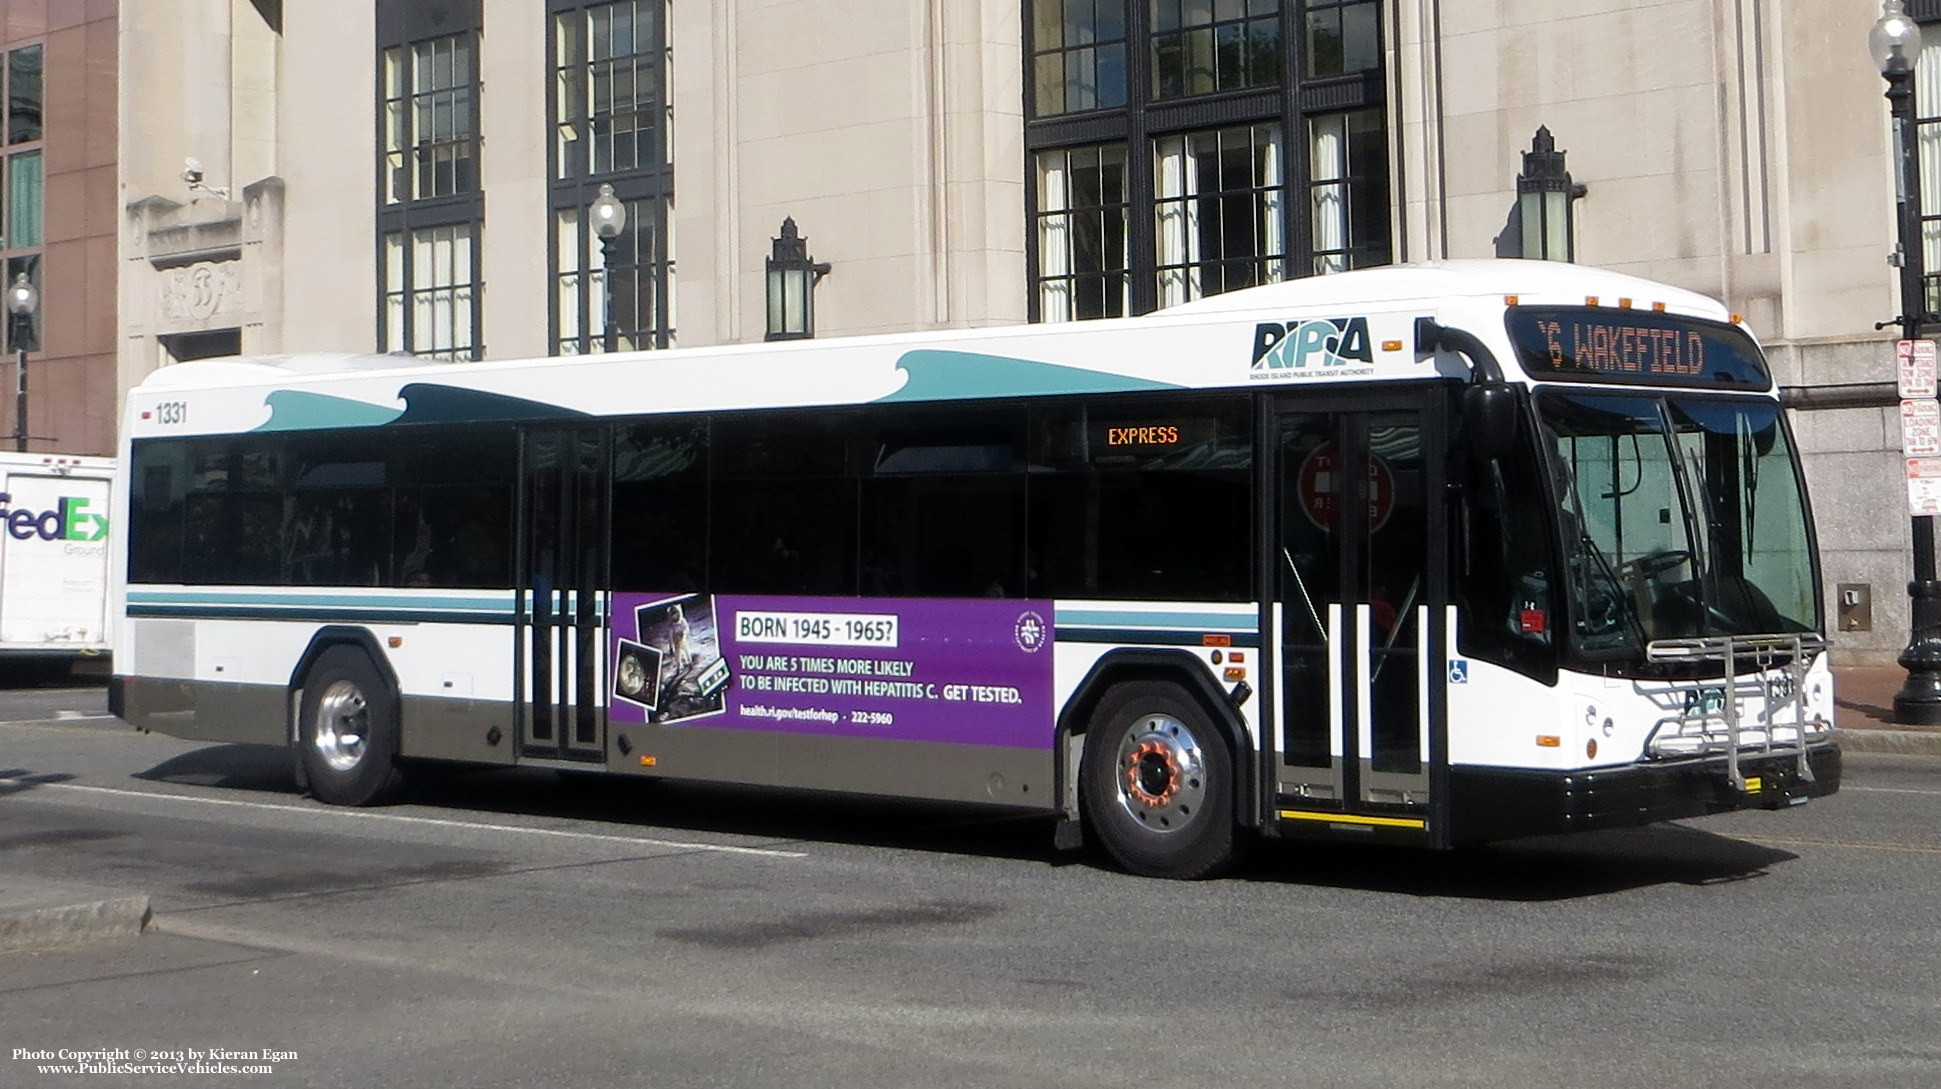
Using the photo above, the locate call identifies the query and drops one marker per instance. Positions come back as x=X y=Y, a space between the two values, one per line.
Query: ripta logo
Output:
x=70 y=521
x=1323 y=342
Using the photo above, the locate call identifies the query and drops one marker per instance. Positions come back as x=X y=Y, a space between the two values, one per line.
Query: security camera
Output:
x=192 y=170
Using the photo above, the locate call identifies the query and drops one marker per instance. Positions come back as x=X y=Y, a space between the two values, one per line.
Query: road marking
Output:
x=434 y=822
x=1888 y=790
x=1910 y=848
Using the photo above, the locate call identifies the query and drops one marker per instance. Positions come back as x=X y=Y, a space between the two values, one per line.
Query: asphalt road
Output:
x=514 y=929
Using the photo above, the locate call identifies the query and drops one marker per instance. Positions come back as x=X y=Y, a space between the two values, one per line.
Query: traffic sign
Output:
x=1318 y=484
x=1921 y=428
x=1924 y=485
x=1916 y=367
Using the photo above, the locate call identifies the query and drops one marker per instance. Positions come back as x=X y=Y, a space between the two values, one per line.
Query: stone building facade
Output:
x=418 y=176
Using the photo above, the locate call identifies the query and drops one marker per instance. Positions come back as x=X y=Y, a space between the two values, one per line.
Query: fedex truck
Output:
x=53 y=558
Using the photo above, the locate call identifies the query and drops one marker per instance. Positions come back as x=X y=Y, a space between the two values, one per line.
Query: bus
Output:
x=53 y=561
x=1435 y=554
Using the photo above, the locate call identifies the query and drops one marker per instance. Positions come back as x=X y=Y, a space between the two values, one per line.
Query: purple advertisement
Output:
x=968 y=671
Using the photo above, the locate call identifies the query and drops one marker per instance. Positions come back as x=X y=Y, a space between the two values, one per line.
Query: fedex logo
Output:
x=1323 y=342
x=71 y=521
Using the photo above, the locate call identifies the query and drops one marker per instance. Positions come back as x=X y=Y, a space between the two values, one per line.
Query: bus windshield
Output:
x=1682 y=517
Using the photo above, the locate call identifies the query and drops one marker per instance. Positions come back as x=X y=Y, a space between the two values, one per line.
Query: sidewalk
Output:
x=41 y=914
x=1864 y=713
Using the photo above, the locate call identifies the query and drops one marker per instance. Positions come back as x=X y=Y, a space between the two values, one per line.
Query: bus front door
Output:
x=1357 y=614
x=563 y=570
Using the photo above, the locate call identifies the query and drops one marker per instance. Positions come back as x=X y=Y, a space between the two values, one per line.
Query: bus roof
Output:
x=1347 y=327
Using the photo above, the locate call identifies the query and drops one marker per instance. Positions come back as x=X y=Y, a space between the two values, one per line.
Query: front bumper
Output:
x=1499 y=803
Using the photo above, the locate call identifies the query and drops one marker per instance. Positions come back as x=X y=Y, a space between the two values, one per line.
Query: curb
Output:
x=1904 y=742
x=63 y=924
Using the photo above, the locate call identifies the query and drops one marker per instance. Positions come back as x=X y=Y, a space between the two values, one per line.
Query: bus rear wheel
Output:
x=1157 y=783
x=348 y=733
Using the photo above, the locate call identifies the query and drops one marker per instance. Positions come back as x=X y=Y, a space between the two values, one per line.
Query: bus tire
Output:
x=347 y=737
x=1156 y=783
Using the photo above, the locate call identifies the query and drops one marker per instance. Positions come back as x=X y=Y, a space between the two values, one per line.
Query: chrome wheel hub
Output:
x=1162 y=773
x=343 y=720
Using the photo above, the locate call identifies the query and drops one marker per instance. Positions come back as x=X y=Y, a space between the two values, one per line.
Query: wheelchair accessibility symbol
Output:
x=1459 y=671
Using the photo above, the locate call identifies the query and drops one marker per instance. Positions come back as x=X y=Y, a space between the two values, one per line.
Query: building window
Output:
x=431 y=208
x=609 y=126
x=1348 y=190
x=1182 y=174
x=431 y=140
x=1078 y=56
x=1927 y=143
x=431 y=291
x=22 y=182
x=610 y=82
x=1082 y=233
x=1343 y=37
x=1203 y=46
x=1217 y=211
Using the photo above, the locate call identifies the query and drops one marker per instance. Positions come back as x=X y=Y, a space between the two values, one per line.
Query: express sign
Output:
x=69 y=521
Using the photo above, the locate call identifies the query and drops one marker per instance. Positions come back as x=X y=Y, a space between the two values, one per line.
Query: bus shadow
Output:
x=265 y=769
x=655 y=805
x=1547 y=868
x=1570 y=867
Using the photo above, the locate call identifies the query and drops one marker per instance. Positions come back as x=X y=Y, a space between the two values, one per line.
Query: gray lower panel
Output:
x=248 y=714
x=988 y=774
x=456 y=729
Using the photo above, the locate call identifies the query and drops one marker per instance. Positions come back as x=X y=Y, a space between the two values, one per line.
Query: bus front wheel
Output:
x=348 y=733
x=1157 y=783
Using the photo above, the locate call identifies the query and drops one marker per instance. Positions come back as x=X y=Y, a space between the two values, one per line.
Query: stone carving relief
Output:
x=201 y=291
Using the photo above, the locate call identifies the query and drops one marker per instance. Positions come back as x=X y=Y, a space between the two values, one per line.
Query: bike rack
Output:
x=1756 y=658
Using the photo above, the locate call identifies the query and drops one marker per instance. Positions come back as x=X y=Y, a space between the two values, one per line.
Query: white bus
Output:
x=53 y=560
x=1433 y=554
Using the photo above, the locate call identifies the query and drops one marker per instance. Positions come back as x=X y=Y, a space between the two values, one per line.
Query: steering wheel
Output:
x=1653 y=564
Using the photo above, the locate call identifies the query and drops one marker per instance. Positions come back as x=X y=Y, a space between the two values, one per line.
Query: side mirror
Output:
x=1489 y=419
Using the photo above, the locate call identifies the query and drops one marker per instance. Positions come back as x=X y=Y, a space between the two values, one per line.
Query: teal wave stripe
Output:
x=300 y=410
x=936 y=375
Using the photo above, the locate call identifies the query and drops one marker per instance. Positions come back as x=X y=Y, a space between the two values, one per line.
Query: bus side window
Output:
x=660 y=506
x=782 y=504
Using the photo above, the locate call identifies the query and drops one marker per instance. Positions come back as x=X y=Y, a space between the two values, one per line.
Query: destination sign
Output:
x=1582 y=344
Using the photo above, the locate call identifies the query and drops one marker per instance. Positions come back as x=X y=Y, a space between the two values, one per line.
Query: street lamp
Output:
x=1895 y=43
x=609 y=219
x=792 y=276
x=1543 y=195
x=23 y=299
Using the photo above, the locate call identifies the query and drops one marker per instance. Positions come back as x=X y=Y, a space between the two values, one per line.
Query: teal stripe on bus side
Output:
x=1145 y=619
x=318 y=614
x=494 y=603
x=1148 y=637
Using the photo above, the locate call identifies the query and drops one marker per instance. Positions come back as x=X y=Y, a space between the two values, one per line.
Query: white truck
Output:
x=53 y=559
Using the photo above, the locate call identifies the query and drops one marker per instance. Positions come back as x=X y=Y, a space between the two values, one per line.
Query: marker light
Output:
x=1625 y=303
x=1590 y=300
x=1509 y=300
x=1548 y=741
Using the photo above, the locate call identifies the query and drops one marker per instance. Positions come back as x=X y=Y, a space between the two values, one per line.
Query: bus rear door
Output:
x=563 y=570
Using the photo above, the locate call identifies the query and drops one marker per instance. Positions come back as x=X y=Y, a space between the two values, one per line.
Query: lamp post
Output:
x=23 y=299
x=609 y=219
x=1895 y=43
